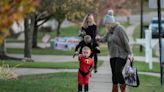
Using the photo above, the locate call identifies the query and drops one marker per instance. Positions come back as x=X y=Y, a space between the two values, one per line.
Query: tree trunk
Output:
x=36 y=25
x=58 y=29
x=2 y=50
x=29 y=28
x=35 y=36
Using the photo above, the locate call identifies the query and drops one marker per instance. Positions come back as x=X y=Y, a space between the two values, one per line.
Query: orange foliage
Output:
x=13 y=10
x=120 y=7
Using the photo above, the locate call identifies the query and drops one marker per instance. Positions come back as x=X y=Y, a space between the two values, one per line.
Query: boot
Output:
x=123 y=87
x=115 y=88
x=95 y=69
x=79 y=88
x=86 y=87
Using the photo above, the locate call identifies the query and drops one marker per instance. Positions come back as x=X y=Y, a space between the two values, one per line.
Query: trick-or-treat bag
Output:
x=131 y=76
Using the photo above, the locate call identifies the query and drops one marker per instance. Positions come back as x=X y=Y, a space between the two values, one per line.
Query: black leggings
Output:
x=80 y=88
x=95 y=60
x=117 y=65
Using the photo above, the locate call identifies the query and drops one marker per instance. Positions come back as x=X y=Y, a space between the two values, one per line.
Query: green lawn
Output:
x=38 y=51
x=136 y=33
x=136 y=48
x=136 y=51
x=53 y=65
x=148 y=84
x=125 y=24
x=49 y=51
x=104 y=50
x=55 y=82
x=144 y=67
x=65 y=32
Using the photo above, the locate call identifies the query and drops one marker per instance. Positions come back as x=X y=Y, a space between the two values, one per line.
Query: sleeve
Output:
x=124 y=40
x=82 y=32
x=104 y=39
x=96 y=44
x=92 y=62
x=91 y=54
x=94 y=31
x=80 y=57
x=91 y=65
x=77 y=46
x=96 y=47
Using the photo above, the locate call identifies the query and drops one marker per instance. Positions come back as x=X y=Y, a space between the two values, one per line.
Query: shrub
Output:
x=7 y=73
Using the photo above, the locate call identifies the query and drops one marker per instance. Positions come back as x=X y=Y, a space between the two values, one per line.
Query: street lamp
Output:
x=141 y=26
x=160 y=36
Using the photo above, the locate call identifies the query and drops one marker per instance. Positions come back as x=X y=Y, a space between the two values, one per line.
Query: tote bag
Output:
x=131 y=76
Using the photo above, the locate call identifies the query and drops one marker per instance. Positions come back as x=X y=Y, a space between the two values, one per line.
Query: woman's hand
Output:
x=131 y=57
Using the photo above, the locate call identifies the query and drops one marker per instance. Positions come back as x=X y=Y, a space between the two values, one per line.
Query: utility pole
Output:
x=160 y=36
x=141 y=25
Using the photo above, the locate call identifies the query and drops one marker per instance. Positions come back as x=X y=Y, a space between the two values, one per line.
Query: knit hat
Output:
x=109 y=18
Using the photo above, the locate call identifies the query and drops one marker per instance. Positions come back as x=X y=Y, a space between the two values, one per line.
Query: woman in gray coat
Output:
x=119 y=49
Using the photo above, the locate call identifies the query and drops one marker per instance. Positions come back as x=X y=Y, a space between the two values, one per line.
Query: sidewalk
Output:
x=66 y=58
x=101 y=81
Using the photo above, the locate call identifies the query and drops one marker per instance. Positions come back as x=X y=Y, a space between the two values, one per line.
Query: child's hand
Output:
x=75 y=54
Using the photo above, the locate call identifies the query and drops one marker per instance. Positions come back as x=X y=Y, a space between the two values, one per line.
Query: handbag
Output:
x=131 y=76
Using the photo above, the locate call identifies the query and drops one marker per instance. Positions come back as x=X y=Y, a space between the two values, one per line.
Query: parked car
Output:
x=154 y=27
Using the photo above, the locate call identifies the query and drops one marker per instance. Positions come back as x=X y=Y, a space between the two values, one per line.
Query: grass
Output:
x=104 y=50
x=148 y=84
x=65 y=32
x=136 y=51
x=49 y=51
x=136 y=48
x=125 y=24
x=136 y=33
x=46 y=51
x=55 y=82
x=144 y=67
x=53 y=65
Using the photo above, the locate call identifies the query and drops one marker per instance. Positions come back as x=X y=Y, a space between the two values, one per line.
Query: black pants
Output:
x=95 y=60
x=80 y=88
x=117 y=65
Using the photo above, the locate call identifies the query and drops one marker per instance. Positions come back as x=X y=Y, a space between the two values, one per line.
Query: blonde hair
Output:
x=110 y=25
x=86 y=48
x=87 y=37
x=85 y=23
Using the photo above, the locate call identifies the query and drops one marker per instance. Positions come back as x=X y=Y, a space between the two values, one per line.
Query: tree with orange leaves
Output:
x=10 y=11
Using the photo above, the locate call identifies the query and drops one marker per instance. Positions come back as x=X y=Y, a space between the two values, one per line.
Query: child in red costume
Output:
x=85 y=67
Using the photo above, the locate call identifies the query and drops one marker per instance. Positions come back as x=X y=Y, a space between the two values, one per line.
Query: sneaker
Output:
x=95 y=71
